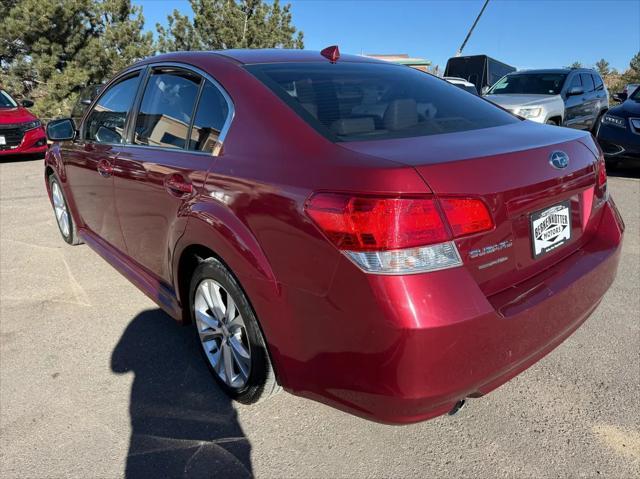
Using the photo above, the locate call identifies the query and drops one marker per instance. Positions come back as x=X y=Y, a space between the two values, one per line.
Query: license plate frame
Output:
x=550 y=228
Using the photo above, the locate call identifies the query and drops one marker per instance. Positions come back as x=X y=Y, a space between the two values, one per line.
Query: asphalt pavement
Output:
x=96 y=382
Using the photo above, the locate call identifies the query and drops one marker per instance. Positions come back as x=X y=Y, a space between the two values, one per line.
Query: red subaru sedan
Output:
x=356 y=232
x=20 y=131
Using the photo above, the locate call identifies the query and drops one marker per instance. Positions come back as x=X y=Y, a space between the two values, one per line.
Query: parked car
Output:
x=384 y=264
x=626 y=92
x=20 y=130
x=481 y=70
x=86 y=97
x=462 y=83
x=619 y=132
x=576 y=98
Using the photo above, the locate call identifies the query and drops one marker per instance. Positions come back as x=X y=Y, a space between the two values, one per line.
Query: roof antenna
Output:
x=332 y=53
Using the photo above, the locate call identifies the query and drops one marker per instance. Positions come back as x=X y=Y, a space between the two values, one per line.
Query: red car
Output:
x=20 y=131
x=357 y=232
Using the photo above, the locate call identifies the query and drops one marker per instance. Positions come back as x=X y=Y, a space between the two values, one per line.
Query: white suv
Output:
x=576 y=98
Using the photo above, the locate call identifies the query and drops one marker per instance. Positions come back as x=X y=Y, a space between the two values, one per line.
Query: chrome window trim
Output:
x=141 y=70
x=146 y=72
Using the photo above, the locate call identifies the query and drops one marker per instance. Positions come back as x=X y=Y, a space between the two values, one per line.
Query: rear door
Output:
x=89 y=162
x=173 y=146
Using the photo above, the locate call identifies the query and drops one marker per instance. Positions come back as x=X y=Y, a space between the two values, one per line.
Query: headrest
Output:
x=353 y=126
x=401 y=114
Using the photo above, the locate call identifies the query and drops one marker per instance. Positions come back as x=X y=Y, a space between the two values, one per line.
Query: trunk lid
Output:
x=509 y=168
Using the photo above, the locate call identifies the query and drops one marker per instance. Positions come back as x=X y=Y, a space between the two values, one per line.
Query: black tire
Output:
x=261 y=382
x=70 y=236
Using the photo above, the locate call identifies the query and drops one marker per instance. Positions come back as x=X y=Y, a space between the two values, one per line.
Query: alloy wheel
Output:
x=222 y=333
x=60 y=208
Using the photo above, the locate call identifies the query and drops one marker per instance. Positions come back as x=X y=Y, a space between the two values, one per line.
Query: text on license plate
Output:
x=550 y=228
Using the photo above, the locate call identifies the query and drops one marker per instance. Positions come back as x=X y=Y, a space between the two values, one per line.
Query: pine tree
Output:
x=51 y=49
x=602 y=66
x=221 y=24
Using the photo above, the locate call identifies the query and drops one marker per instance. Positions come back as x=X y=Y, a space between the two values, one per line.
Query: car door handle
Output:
x=105 y=168
x=178 y=186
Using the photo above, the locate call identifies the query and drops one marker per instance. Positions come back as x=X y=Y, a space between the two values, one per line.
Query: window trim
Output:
x=117 y=79
x=145 y=71
x=204 y=76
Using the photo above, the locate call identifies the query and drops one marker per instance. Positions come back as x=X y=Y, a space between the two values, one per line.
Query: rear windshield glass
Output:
x=530 y=84
x=364 y=101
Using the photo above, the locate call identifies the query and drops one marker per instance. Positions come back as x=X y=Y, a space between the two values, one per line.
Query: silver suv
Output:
x=576 y=97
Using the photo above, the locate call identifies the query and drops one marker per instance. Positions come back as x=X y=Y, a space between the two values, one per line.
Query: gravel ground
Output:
x=96 y=382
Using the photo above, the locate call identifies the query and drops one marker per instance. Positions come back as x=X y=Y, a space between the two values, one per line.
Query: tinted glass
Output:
x=6 y=101
x=210 y=118
x=598 y=82
x=575 y=82
x=105 y=123
x=166 y=109
x=530 y=84
x=636 y=94
x=587 y=82
x=363 y=101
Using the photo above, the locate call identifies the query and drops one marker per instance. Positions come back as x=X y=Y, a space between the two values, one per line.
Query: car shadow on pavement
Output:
x=21 y=158
x=625 y=171
x=182 y=424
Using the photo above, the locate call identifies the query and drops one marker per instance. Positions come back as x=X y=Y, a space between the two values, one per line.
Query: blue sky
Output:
x=523 y=33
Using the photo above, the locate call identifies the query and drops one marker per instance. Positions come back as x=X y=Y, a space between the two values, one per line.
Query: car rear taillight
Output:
x=398 y=235
x=601 y=179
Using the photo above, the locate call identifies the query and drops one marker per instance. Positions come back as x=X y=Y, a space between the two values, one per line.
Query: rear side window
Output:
x=209 y=120
x=587 y=82
x=598 y=82
x=364 y=101
x=166 y=109
x=105 y=123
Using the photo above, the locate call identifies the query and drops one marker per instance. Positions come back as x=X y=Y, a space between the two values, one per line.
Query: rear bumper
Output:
x=33 y=142
x=417 y=344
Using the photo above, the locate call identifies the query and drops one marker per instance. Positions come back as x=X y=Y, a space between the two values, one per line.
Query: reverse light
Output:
x=396 y=235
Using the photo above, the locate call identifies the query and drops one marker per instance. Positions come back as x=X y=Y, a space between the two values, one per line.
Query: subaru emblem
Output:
x=559 y=159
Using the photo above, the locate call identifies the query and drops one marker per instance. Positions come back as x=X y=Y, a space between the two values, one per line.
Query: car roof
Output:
x=266 y=55
x=555 y=70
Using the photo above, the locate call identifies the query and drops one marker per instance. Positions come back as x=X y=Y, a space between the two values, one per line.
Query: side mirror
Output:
x=617 y=97
x=61 y=130
x=27 y=103
x=575 y=90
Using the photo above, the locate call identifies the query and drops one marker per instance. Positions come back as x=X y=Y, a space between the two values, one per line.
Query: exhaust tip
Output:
x=459 y=405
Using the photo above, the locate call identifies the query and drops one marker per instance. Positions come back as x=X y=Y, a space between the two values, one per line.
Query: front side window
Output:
x=6 y=101
x=587 y=82
x=106 y=122
x=530 y=84
x=371 y=101
x=166 y=109
x=575 y=82
x=209 y=120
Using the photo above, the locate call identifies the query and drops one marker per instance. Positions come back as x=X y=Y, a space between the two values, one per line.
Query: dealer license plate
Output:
x=550 y=228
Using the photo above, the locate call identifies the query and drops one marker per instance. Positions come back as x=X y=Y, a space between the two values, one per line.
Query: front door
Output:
x=573 y=105
x=90 y=160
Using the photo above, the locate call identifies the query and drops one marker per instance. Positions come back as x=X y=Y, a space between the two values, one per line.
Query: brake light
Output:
x=376 y=224
x=466 y=216
x=601 y=180
x=393 y=235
